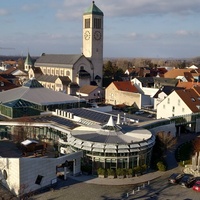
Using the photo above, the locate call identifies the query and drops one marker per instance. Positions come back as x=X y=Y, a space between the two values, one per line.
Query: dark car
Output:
x=187 y=181
x=175 y=178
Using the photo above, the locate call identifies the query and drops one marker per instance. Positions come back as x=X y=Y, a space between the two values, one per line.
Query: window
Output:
x=39 y=179
x=168 y=100
x=61 y=72
x=173 y=109
x=179 y=102
x=5 y=175
x=97 y=23
x=183 y=110
x=82 y=68
x=163 y=106
x=67 y=73
x=87 y=23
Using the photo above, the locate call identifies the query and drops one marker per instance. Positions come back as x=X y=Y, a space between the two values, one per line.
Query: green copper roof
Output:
x=33 y=83
x=93 y=9
x=28 y=60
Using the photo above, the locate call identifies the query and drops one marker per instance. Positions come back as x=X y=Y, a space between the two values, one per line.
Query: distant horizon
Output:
x=24 y=56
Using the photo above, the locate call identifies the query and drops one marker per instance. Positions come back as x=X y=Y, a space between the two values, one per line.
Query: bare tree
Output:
x=167 y=141
x=196 y=145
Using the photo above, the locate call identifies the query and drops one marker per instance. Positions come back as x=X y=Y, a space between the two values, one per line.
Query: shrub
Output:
x=110 y=172
x=101 y=171
x=137 y=169
x=129 y=171
x=119 y=172
x=161 y=166
x=143 y=168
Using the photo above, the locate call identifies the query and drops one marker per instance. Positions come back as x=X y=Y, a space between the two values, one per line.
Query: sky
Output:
x=132 y=28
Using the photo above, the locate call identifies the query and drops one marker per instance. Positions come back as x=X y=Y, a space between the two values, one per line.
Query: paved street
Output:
x=96 y=189
x=158 y=189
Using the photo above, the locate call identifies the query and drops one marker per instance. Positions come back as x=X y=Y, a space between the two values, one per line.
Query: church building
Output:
x=69 y=72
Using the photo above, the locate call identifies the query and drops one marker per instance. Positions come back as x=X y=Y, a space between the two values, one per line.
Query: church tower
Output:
x=93 y=40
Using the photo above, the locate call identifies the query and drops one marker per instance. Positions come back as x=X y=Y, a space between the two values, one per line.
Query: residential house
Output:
x=187 y=77
x=180 y=102
x=21 y=76
x=161 y=81
x=162 y=93
x=187 y=85
x=149 y=87
x=133 y=72
x=7 y=64
x=5 y=84
x=174 y=73
x=11 y=78
x=91 y=93
x=143 y=82
x=122 y=92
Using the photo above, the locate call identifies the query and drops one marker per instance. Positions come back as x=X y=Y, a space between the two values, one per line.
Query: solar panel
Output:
x=91 y=115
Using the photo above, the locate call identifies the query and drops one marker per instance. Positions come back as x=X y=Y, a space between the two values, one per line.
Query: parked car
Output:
x=139 y=112
x=187 y=181
x=196 y=186
x=150 y=115
x=175 y=178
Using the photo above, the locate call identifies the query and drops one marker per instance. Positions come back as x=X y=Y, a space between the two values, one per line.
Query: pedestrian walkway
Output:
x=118 y=181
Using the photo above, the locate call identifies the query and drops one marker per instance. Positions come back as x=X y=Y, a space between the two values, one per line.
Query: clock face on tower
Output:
x=97 y=35
x=87 y=35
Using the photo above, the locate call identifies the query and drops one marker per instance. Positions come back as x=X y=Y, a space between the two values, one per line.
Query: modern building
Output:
x=24 y=175
x=81 y=69
x=112 y=146
x=32 y=99
x=106 y=141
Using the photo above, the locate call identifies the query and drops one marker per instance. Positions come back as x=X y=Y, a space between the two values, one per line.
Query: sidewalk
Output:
x=116 y=181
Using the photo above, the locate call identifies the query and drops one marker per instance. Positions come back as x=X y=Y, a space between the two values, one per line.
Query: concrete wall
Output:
x=12 y=168
x=114 y=96
x=166 y=128
x=23 y=172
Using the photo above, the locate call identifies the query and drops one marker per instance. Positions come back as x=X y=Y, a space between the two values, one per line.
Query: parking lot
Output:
x=158 y=189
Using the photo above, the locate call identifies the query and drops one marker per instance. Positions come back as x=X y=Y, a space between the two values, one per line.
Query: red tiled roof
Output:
x=6 y=85
x=187 y=85
x=125 y=86
x=191 y=98
x=176 y=72
x=188 y=76
x=9 y=71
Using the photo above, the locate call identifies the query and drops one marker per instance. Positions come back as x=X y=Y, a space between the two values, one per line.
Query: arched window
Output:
x=67 y=73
